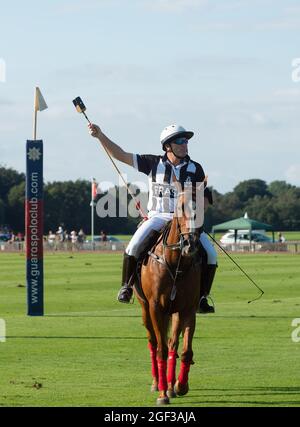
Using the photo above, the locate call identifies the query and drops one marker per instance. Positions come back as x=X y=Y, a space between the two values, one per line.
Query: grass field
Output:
x=89 y=350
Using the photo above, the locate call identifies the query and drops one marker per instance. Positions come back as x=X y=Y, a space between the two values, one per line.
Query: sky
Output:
x=221 y=68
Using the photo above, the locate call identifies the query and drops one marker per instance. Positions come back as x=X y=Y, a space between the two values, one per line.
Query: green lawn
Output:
x=89 y=350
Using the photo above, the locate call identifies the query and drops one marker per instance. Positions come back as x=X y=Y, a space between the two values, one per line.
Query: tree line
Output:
x=67 y=203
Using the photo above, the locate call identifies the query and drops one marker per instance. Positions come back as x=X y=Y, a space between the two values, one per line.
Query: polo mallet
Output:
x=243 y=271
x=81 y=108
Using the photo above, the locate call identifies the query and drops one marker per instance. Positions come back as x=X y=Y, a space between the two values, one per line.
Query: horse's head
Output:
x=190 y=217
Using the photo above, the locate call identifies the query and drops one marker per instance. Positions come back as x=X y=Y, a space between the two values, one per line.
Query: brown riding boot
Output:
x=129 y=268
x=207 y=277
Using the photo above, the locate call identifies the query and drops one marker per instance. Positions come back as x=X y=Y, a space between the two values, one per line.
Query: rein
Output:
x=162 y=260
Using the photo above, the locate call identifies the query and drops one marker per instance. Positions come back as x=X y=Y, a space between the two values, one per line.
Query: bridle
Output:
x=178 y=246
x=182 y=241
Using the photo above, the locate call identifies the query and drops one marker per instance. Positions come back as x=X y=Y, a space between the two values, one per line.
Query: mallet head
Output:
x=79 y=105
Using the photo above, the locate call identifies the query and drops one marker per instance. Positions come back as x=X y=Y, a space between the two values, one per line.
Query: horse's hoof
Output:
x=162 y=401
x=154 y=388
x=171 y=393
x=181 y=389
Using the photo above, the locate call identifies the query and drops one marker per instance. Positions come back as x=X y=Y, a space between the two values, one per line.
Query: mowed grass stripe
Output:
x=89 y=350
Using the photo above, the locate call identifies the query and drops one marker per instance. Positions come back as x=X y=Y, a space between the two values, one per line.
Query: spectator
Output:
x=60 y=234
x=20 y=237
x=68 y=240
x=81 y=238
x=12 y=237
x=60 y=237
x=51 y=239
x=281 y=238
x=74 y=239
x=103 y=236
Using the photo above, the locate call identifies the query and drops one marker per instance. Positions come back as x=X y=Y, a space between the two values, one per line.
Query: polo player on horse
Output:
x=175 y=164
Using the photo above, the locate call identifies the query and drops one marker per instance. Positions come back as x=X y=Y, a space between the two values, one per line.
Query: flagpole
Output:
x=92 y=214
x=35 y=115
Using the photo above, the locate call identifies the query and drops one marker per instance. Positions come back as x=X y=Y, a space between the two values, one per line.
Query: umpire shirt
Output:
x=160 y=172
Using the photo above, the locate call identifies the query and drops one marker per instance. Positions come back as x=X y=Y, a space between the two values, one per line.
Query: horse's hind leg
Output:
x=160 y=321
x=152 y=344
x=172 y=354
x=188 y=327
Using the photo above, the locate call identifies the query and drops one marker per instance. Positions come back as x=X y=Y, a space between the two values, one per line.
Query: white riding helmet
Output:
x=173 y=132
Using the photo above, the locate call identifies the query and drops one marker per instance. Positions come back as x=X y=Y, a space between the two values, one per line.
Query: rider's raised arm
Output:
x=113 y=149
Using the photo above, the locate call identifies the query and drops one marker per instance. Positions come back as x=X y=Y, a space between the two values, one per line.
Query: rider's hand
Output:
x=94 y=130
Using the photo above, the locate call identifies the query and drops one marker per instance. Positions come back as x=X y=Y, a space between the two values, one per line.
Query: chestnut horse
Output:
x=170 y=280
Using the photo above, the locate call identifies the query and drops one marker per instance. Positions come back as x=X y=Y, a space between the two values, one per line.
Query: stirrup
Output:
x=207 y=308
x=125 y=294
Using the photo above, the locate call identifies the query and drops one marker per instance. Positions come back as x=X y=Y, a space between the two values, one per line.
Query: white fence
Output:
x=291 y=246
x=66 y=246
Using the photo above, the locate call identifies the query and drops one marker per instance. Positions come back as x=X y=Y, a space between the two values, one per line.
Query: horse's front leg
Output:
x=152 y=344
x=172 y=354
x=188 y=322
x=160 y=322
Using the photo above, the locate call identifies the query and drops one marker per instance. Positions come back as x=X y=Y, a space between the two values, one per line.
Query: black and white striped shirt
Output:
x=160 y=171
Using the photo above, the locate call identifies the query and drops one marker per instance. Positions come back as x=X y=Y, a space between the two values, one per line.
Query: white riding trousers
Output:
x=156 y=223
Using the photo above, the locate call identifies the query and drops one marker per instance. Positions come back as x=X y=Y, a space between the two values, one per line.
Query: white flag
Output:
x=39 y=102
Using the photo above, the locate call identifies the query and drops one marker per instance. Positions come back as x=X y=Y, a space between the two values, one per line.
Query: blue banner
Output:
x=34 y=225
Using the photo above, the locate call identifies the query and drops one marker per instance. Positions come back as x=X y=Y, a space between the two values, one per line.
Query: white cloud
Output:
x=288 y=94
x=5 y=102
x=292 y=10
x=262 y=119
x=91 y=73
x=293 y=174
x=176 y=6
x=287 y=24
x=78 y=6
x=247 y=118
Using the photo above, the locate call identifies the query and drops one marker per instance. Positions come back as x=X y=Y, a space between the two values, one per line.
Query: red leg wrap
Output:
x=154 y=369
x=171 y=378
x=184 y=372
x=162 y=375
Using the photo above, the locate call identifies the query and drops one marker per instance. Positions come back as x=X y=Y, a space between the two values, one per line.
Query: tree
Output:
x=263 y=209
x=278 y=187
x=245 y=190
x=67 y=203
x=8 y=179
x=15 y=209
x=2 y=212
x=288 y=208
